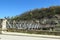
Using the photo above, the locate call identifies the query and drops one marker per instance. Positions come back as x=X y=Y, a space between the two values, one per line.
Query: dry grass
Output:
x=46 y=32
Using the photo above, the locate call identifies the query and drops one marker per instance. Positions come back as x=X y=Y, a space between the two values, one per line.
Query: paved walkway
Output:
x=31 y=35
x=11 y=37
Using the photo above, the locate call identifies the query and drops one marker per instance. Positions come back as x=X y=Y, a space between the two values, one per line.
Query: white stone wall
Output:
x=4 y=24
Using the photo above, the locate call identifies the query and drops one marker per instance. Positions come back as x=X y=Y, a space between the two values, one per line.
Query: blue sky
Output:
x=16 y=7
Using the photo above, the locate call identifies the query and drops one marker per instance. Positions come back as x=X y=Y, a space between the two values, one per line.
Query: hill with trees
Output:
x=38 y=14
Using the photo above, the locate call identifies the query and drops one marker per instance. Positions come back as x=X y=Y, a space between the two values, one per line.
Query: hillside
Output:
x=38 y=14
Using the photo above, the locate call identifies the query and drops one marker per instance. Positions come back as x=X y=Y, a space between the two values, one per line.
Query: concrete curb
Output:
x=31 y=35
